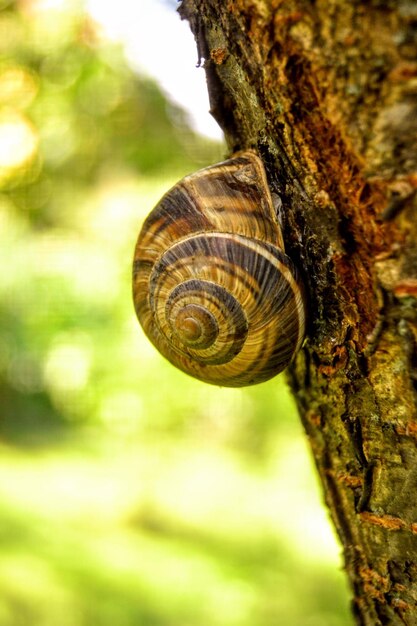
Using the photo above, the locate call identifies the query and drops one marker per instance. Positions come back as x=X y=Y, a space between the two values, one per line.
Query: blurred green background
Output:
x=129 y=493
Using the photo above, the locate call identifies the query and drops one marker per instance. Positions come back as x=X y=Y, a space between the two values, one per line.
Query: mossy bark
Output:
x=326 y=92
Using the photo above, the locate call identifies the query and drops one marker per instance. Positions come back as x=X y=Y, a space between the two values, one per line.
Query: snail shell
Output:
x=213 y=288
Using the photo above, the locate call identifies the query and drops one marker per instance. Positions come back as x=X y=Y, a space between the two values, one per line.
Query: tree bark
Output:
x=326 y=92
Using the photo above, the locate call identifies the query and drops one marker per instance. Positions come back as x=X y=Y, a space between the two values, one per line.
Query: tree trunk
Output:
x=326 y=92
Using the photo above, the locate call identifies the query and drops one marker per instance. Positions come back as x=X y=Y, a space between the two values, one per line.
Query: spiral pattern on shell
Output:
x=213 y=288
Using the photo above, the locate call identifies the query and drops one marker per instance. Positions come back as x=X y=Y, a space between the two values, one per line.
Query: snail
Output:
x=212 y=286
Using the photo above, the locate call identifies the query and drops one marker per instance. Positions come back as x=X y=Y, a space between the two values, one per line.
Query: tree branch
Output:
x=326 y=93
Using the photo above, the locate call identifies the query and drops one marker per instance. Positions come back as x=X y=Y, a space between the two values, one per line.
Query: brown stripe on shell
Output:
x=219 y=198
x=231 y=321
x=267 y=294
x=218 y=226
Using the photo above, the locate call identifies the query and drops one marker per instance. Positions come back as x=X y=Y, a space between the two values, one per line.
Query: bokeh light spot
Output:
x=18 y=141
x=67 y=366
x=18 y=87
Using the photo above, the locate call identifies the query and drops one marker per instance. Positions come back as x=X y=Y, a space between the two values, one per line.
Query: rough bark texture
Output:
x=326 y=91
